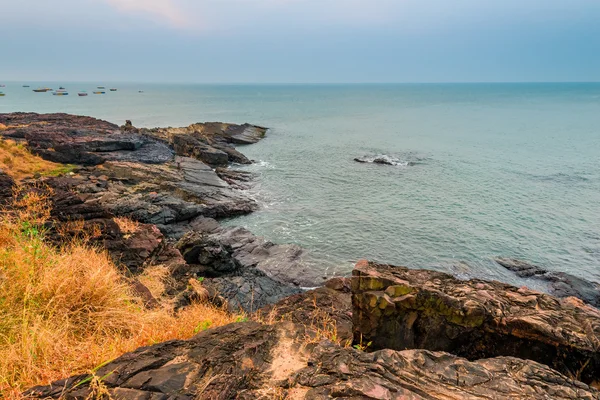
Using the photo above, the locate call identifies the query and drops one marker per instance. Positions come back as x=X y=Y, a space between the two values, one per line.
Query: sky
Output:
x=300 y=41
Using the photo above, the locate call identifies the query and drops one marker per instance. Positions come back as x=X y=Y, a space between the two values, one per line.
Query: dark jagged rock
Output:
x=247 y=290
x=252 y=361
x=560 y=284
x=246 y=271
x=398 y=308
x=192 y=147
x=6 y=187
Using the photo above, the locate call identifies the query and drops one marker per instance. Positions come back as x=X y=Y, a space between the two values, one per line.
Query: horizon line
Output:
x=302 y=83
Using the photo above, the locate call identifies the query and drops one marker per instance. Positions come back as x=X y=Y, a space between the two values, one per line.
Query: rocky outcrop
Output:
x=254 y=361
x=398 y=308
x=210 y=142
x=245 y=271
x=560 y=284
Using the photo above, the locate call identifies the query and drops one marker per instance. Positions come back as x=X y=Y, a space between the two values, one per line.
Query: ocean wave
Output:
x=264 y=164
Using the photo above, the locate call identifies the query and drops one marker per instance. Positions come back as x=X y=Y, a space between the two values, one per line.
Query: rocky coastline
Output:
x=394 y=333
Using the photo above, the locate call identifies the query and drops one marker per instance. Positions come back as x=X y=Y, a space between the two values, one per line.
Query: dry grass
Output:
x=19 y=163
x=65 y=311
x=127 y=225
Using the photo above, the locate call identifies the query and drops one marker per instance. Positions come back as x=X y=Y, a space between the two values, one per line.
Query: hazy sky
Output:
x=300 y=40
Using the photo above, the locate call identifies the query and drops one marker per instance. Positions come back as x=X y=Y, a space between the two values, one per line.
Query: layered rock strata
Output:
x=398 y=308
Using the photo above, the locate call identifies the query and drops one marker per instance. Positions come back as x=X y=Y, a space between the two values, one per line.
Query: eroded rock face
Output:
x=560 y=284
x=398 y=308
x=254 y=361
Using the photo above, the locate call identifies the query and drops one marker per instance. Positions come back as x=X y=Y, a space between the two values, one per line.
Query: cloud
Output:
x=165 y=9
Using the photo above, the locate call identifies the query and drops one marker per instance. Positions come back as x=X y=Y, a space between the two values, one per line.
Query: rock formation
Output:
x=560 y=284
x=254 y=361
x=398 y=308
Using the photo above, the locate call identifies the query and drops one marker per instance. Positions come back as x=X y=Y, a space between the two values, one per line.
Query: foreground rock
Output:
x=398 y=308
x=253 y=361
x=325 y=311
x=560 y=284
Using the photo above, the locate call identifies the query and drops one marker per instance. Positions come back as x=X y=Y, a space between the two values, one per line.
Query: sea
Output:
x=478 y=170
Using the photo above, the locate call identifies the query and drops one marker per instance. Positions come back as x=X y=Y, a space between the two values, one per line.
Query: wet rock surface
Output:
x=254 y=361
x=398 y=308
x=560 y=284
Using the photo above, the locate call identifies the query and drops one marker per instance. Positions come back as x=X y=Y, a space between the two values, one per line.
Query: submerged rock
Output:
x=560 y=284
x=384 y=160
x=253 y=361
x=399 y=308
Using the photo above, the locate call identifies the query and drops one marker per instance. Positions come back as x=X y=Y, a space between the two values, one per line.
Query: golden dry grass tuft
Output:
x=19 y=163
x=127 y=225
x=64 y=311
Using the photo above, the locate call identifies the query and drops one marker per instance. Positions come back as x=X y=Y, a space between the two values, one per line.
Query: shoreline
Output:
x=175 y=183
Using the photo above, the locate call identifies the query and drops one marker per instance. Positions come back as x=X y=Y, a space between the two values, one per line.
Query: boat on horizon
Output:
x=113 y=90
x=83 y=93
x=61 y=88
x=25 y=85
x=60 y=92
x=2 y=94
x=101 y=87
x=2 y=85
x=99 y=92
x=42 y=90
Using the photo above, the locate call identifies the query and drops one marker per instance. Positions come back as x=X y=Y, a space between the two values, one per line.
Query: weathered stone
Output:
x=560 y=284
x=253 y=361
x=473 y=319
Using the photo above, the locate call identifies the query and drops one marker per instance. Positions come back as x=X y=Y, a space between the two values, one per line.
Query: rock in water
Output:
x=253 y=361
x=399 y=308
x=384 y=160
x=560 y=284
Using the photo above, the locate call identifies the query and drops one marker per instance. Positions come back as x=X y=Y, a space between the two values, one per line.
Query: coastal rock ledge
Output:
x=254 y=361
x=398 y=308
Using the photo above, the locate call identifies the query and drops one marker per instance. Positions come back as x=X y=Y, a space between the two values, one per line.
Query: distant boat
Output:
x=61 y=88
x=2 y=94
x=113 y=90
x=100 y=87
x=25 y=85
x=41 y=90
x=84 y=93
x=99 y=92
x=5 y=86
x=140 y=91
x=60 y=92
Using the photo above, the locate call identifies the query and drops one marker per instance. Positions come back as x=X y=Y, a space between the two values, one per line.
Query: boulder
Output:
x=560 y=284
x=253 y=361
x=399 y=308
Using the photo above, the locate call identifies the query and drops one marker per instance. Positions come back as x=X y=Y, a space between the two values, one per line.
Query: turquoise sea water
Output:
x=497 y=169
